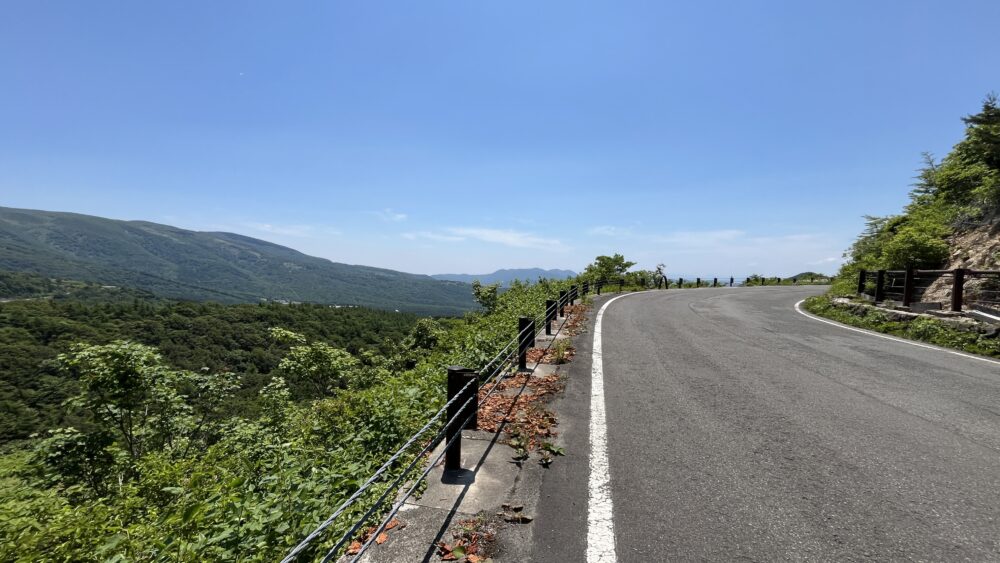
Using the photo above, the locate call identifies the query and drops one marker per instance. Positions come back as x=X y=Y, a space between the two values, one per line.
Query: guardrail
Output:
x=460 y=412
x=969 y=289
x=682 y=283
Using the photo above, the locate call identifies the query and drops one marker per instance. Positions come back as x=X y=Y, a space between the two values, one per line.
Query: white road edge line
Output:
x=600 y=514
x=798 y=307
x=994 y=317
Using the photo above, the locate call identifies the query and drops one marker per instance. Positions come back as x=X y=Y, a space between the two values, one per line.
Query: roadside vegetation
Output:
x=153 y=430
x=925 y=329
x=190 y=336
x=951 y=195
x=960 y=191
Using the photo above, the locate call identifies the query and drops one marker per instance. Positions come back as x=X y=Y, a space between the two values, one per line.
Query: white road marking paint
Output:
x=600 y=517
x=994 y=317
x=798 y=307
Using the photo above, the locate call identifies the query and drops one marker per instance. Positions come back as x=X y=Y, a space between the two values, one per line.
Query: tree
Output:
x=424 y=335
x=69 y=457
x=607 y=267
x=128 y=390
x=316 y=366
x=983 y=132
x=916 y=248
x=486 y=295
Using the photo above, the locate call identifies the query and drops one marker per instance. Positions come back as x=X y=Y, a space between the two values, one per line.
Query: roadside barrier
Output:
x=975 y=290
x=460 y=412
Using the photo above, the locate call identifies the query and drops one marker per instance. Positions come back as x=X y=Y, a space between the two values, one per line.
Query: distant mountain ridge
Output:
x=506 y=276
x=226 y=267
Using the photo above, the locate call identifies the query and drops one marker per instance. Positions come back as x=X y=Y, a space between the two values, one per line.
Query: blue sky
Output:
x=718 y=137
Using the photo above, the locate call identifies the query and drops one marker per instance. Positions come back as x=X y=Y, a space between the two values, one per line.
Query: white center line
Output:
x=600 y=516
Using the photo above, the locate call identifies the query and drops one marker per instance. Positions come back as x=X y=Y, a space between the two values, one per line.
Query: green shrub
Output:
x=912 y=247
x=925 y=329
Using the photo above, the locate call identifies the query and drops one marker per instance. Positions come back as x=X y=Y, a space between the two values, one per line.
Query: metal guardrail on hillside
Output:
x=968 y=289
x=459 y=412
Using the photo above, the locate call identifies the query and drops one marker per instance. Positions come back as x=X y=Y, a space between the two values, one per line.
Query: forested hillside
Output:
x=207 y=432
x=226 y=267
x=15 y=286
x=190 y=336
x=952 y=197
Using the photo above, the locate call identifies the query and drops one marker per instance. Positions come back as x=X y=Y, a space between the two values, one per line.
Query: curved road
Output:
x=741 y=430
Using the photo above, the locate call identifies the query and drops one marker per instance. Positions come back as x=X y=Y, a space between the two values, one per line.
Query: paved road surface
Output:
x=740 y=430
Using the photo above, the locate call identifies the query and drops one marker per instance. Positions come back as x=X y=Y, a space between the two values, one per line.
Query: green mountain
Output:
x=180 y=264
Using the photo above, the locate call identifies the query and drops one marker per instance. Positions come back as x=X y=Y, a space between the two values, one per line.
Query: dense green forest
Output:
x=960 y=191
x=24 y=285
x=205 y=266
x=208 y=432
x=191 y=336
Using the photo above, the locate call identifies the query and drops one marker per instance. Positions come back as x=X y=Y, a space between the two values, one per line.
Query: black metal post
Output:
x=621 y=285
x=880 y=286
x=586 y=288
x=599 y=287
x=862 y=280
x=957 y=290
x=572 y=294
x=680 y=283
x=458 y=378
x=731 y=280
x=526 y=330
x=697 y=282
x=908 y=286
x=562 y=302
x=715 y=282
x=550 y=313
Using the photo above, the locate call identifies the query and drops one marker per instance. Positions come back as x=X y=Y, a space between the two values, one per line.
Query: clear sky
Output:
x=718 y=137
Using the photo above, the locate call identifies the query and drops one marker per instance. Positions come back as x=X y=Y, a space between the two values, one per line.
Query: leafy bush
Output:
x=916 y=248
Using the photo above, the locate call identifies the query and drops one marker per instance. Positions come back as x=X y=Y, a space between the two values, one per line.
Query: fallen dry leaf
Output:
x=382 y=538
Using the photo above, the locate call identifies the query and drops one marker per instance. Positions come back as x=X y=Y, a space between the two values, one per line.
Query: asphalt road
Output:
x=740 y=430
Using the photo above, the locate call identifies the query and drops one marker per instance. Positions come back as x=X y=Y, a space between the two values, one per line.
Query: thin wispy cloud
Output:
x=300 y=231
x=610 y=231
x=699 y=239
x=829 y=260
x=503 y=237
x=427 y=235
x=283 y=230
x=390 y=216
x=506 y=237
